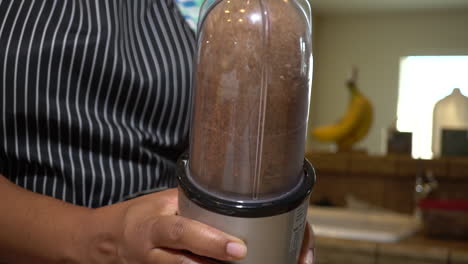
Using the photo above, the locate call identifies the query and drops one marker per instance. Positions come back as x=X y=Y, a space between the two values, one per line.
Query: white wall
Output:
x=375 y=43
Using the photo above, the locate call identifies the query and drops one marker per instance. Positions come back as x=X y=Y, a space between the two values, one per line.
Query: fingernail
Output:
x=236 y=250
x=309 y=257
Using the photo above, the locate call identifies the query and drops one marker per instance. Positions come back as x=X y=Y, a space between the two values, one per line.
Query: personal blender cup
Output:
x=245 y=172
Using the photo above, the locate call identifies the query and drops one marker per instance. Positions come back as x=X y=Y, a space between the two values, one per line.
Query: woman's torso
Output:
x=94 y=96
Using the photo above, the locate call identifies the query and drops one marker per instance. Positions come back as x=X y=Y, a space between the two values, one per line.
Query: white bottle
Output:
x=449 y=113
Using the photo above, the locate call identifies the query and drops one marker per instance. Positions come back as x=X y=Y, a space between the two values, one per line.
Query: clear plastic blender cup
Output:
x=250 y=104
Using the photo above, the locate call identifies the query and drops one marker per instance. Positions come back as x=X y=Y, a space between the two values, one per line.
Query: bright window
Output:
x=424 y=80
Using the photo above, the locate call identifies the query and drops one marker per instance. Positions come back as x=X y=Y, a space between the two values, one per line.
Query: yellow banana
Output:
x=360 y=132
x=358 y=118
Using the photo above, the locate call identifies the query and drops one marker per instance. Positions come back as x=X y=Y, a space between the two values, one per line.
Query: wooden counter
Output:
x=414 y=250
x=395 y=166
x=384 y=181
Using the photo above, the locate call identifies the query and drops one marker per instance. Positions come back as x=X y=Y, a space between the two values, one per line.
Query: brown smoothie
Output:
x=251 y=99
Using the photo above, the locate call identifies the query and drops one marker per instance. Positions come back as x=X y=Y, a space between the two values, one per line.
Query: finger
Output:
x=171 y=199
x=165 y=202
x=171 y=195
x=307 y=251
x=311 y=237
x=168 y=256
x=176 y=232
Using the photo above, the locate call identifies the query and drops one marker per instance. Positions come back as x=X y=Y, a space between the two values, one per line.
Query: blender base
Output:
x=274 y=239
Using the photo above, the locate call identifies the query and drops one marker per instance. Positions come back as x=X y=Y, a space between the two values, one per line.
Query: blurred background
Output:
x=398 y=192
x=378 y=36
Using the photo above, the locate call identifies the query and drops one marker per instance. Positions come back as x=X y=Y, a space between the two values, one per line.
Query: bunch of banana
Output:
x=354 y=125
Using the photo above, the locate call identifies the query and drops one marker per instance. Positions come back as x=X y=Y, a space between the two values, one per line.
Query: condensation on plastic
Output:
x=250 y=107
x=449 y=113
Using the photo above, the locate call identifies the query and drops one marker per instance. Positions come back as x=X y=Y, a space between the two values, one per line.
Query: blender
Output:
x=245 y=171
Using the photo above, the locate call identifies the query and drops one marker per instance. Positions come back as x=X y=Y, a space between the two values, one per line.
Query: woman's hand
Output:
x=307 y=251
x=148 y=230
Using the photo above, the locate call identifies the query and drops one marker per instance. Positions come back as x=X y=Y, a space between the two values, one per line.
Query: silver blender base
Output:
x=270 y=240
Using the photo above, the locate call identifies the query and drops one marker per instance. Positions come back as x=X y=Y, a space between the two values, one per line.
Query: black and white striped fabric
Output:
x=94 y=96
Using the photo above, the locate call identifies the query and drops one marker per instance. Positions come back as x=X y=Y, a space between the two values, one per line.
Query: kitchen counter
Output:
x=420 y=239
x=376 y=179
x=413 y=250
